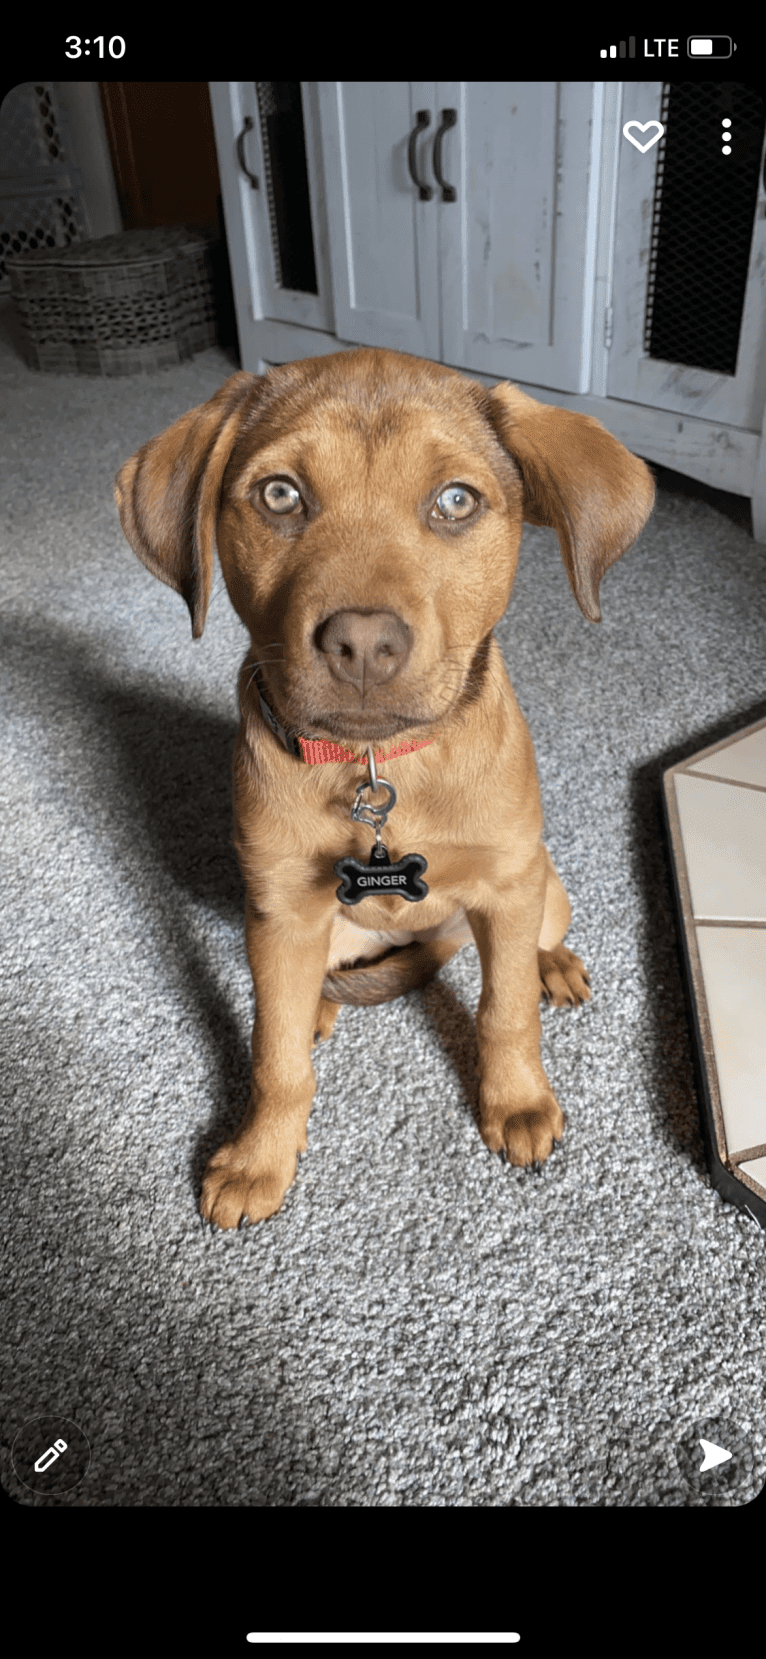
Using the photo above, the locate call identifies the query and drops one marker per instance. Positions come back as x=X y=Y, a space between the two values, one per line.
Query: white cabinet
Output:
x=507 y=229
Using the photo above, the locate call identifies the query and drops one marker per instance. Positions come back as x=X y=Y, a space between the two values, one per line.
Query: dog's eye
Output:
x=281 y=496
x=456 y=502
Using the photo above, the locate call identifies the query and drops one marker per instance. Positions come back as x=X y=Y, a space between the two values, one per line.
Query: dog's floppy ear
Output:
x=577 y=479
x=168 y=494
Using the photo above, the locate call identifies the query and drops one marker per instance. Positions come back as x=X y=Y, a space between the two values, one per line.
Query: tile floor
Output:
x=717 y=812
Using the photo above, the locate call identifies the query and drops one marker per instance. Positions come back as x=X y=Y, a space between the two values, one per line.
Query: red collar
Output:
x=316 y=750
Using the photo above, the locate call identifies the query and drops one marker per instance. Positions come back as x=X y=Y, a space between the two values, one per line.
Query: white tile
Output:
x=734 y=970
x=756 y=1169
x=724 y=836
x=744 y=759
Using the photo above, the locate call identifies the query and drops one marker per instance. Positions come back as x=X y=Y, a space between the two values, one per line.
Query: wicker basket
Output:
x=126 y=304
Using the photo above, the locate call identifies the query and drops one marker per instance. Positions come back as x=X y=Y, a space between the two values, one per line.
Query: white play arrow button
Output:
x=713 y=1455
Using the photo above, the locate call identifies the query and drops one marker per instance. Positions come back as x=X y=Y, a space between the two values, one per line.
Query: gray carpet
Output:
x=421 y=1325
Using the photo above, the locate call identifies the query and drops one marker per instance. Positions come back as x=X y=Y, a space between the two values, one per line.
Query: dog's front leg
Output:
x=518 y=1111
x=250 y=1174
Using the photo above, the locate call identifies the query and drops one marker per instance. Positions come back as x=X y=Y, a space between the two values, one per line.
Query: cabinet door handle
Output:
x=249 y=124
x=422 y=121
x=449 y=119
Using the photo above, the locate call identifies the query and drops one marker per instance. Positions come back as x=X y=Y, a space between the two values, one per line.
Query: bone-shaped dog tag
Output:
x=381 y=878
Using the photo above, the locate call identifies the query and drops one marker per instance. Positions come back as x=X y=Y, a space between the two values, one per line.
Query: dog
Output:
x=367 y=510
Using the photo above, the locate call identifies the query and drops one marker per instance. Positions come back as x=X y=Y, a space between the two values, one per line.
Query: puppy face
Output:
x=365 y=495
x=367 y=508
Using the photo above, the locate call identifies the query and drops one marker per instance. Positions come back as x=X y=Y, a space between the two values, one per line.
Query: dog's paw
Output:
x=564 y=978
x=324 y=1022
x=233 y=1189
x=526 y=1136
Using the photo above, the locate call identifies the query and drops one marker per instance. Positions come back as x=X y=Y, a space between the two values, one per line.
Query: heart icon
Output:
x=643 y=126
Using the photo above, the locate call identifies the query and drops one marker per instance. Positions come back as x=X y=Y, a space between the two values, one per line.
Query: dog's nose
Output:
x=366 y=648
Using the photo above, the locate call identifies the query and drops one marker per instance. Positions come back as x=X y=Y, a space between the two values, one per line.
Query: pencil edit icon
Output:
x=50 y=1456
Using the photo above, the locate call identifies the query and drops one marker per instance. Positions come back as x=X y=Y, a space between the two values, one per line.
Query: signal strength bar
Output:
x=625 y=49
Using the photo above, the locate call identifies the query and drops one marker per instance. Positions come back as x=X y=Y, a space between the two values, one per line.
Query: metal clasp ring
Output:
x=363 y=812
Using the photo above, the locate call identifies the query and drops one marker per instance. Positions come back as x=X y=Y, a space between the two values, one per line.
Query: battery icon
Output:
x=710 y=46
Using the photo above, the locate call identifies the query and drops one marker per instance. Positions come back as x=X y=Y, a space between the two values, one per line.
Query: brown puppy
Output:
x=367 y=509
